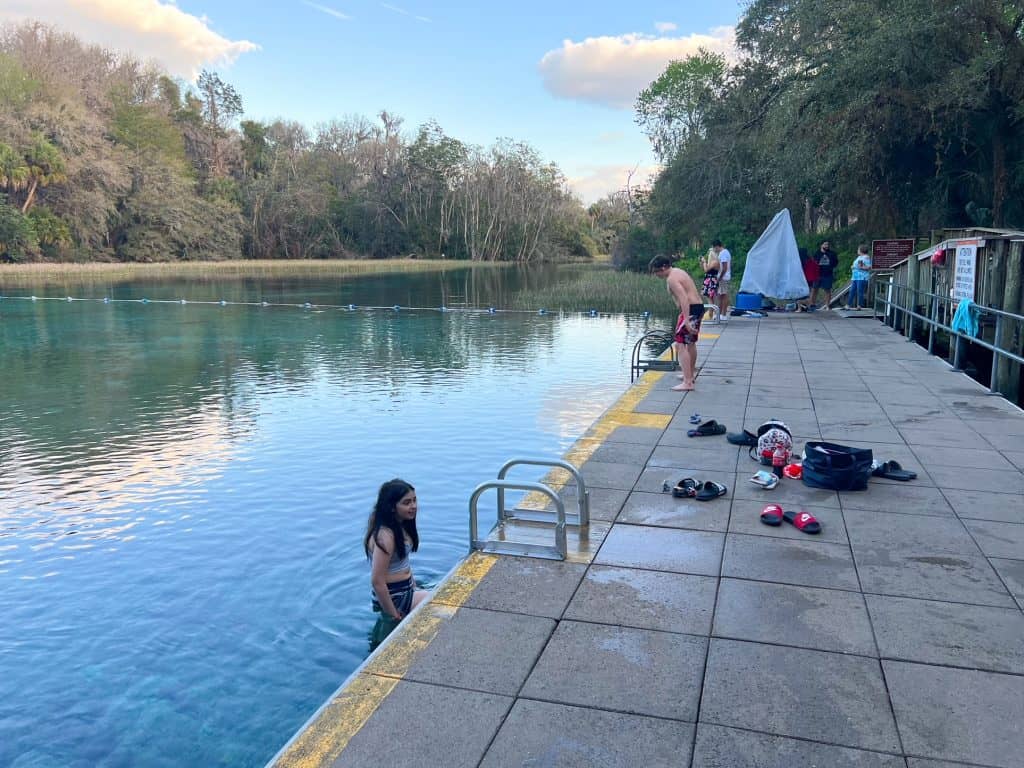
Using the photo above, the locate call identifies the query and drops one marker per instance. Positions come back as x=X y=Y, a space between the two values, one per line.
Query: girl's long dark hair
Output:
x=384 y=516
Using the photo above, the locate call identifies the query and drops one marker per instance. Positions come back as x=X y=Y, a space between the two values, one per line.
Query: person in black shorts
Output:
x=827 y=261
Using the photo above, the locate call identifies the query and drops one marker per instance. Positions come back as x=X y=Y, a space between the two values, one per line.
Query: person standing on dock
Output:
x=691 y=311
x=827 y=260
x=724 y=277
x=860 y=274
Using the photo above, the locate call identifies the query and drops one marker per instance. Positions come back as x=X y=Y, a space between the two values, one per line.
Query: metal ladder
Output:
x=662 y=339
x=508 y=519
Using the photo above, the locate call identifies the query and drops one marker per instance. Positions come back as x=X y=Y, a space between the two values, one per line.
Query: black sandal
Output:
x=685 y=488
x=707 y=429
x=746 y=437
x=710 y=490
x=891 y=470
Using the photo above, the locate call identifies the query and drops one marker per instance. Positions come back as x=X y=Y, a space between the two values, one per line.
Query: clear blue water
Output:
x=184 y=491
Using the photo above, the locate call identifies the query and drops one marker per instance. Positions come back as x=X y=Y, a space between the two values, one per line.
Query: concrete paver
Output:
x=798 y=692
x=527 y=585
x=413 y=711
x=806 y=617
x=720 y=747
x=958 y=714
x=669 y=602
x=538 y=733
x=784 y=561
x=639 y=671
x=663 y=509
x=745 y=518
x=689 y=634
x=908 y=532
x=957 y=578
x=952 y=634
x=664 y=549
x=487 y=661
x=986 y=505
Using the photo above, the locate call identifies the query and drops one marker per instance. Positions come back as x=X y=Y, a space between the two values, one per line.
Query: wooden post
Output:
x=1008 y=377
x=995 y=274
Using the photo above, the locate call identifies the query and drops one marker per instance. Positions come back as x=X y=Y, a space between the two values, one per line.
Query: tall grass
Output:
x=601 y=289
x=24 y=275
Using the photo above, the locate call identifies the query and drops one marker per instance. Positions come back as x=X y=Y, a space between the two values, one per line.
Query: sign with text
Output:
x=964 y=272
x=885 y=253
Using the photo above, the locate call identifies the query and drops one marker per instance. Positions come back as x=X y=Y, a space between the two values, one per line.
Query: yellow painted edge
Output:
x=323 y=740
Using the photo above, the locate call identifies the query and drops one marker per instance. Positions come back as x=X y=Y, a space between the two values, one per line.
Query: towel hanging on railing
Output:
x=965 y=319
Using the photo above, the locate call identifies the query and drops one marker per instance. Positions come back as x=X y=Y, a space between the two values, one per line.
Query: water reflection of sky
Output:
x=184 y=492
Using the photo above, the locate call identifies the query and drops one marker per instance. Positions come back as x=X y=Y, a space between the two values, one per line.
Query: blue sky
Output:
x=560 y=76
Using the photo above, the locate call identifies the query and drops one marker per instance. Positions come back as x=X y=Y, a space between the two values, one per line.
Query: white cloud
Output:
x=396 y=9
x=665 y=26
x=613 y=70
x=148 y=29
x=592 y=183
x=328 y=11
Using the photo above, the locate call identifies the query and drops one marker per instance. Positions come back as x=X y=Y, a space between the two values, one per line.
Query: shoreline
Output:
x=36 y=272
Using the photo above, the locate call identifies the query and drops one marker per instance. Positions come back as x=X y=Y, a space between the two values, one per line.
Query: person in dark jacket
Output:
x=827 y=260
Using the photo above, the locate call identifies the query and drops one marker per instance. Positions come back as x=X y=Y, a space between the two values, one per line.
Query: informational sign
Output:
x=964 y=271
x=885 y=253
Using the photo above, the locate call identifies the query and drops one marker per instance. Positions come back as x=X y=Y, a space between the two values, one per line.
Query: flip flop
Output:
x=802 y=521
x=891 y=470
x=695 y=418
x=764 y=479
x=710 y=490
x=685 y=488
x=746 y=437
x=772 y=515
x=707 y=429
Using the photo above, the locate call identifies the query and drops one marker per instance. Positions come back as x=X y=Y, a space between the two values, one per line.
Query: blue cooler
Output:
x=748 y=301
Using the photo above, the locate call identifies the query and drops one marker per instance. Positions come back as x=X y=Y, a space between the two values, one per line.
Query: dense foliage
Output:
x=867 y=116
x=104 y=158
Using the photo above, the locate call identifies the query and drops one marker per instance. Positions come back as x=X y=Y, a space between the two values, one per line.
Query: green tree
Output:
x=18 y=239
x=674 y=108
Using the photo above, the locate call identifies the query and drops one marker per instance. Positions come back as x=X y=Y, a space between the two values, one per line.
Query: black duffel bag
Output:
x=836 y=467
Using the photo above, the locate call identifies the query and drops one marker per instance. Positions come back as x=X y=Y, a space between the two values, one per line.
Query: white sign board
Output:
x=964 y=272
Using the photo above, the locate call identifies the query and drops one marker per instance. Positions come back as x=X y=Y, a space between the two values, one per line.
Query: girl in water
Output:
x=390 y=536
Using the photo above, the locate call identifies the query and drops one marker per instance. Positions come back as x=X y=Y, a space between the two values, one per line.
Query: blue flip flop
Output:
x=695 y=418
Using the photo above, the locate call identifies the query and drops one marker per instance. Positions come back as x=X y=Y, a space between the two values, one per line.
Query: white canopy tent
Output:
x=773 y=264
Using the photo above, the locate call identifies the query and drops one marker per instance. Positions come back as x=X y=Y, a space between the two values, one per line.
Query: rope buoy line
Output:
x=304 y=305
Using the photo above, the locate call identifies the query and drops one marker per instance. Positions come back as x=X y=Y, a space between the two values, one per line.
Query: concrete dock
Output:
x=689 y=634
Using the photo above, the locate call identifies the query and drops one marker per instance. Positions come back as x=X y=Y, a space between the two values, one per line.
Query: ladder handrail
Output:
x=475 y=542
x=582 y=495
x=638 y=365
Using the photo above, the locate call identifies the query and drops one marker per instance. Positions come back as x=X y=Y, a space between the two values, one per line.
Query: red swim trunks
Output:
x=684 y=335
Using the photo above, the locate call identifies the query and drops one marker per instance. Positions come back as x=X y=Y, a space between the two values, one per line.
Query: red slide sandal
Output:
x=802 y=521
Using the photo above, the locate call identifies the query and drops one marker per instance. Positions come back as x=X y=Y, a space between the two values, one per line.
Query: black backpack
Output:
x=836 y=467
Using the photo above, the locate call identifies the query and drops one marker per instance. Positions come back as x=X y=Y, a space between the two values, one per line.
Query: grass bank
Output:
x=24 y=275
x=602 y=289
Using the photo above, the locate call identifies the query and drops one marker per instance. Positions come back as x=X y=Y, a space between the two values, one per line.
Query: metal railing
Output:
x=899 y=307
x=580 y=519
x=498 y=546
x=657 y=339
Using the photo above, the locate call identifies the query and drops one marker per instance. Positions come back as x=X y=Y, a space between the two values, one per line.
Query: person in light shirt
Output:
x=724 y=277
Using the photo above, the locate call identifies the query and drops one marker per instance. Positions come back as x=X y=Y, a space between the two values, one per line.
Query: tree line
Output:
x=865 y=117
x=104 y=157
